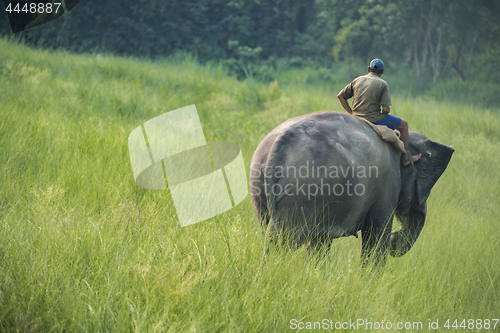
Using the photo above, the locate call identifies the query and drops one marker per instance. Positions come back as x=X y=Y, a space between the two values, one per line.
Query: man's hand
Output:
x=386 y=110
x=344 y=103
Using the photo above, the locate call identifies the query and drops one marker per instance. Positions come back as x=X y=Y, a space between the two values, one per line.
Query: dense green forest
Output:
x=436 y=39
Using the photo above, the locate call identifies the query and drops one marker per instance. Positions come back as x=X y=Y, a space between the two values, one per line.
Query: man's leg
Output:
x=404 y=136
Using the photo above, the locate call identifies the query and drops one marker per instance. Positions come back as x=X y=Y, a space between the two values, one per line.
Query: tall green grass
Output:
x=82 y=248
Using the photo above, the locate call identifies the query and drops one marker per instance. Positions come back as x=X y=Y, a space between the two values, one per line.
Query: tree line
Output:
x=435 y=39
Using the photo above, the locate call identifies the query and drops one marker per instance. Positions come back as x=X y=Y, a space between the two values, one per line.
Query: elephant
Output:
x=327 y=175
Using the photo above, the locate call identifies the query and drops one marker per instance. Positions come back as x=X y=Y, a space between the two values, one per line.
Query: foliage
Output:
x=436 y=39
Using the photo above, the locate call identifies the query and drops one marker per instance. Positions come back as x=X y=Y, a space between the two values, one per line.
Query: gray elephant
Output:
x=328 y=174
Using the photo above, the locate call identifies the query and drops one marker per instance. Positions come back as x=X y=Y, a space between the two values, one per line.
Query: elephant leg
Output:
x=376 y=235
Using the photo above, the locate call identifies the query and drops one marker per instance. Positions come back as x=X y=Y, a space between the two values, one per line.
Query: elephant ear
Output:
x=435 y=159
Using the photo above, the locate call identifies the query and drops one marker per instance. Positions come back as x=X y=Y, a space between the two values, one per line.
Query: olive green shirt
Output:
x=369 y=93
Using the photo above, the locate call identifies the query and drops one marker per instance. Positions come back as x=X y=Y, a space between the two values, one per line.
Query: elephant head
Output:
x=416 y=184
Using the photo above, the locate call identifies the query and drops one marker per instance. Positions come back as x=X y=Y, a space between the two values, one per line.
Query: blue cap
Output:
x=377 y=64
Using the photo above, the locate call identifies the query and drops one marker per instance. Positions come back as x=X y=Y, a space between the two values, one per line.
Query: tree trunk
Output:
x=470 y=54
x=426 y=41
x=456 y=64
x=102 y=27
x=415 y=58
x=436 y=56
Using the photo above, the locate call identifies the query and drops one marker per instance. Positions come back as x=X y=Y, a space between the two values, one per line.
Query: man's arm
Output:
x=344 y=103
x=386 y=100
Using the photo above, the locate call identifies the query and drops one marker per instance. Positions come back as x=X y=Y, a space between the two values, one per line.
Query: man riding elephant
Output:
x=369 y=93
x=327 y=175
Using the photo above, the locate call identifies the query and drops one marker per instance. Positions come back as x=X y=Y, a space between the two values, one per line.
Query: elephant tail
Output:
x=276 y=160
x=269 y=181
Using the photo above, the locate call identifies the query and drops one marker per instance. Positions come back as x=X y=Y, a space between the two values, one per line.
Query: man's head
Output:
x=376 y=67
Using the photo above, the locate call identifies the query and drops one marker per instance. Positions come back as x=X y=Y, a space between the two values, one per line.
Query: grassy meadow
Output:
x=83 y=249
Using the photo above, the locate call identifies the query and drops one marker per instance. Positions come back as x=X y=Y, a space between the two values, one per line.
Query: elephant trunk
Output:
x=412 y=224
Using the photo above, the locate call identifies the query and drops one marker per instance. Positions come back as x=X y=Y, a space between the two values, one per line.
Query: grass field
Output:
x=83 y=249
